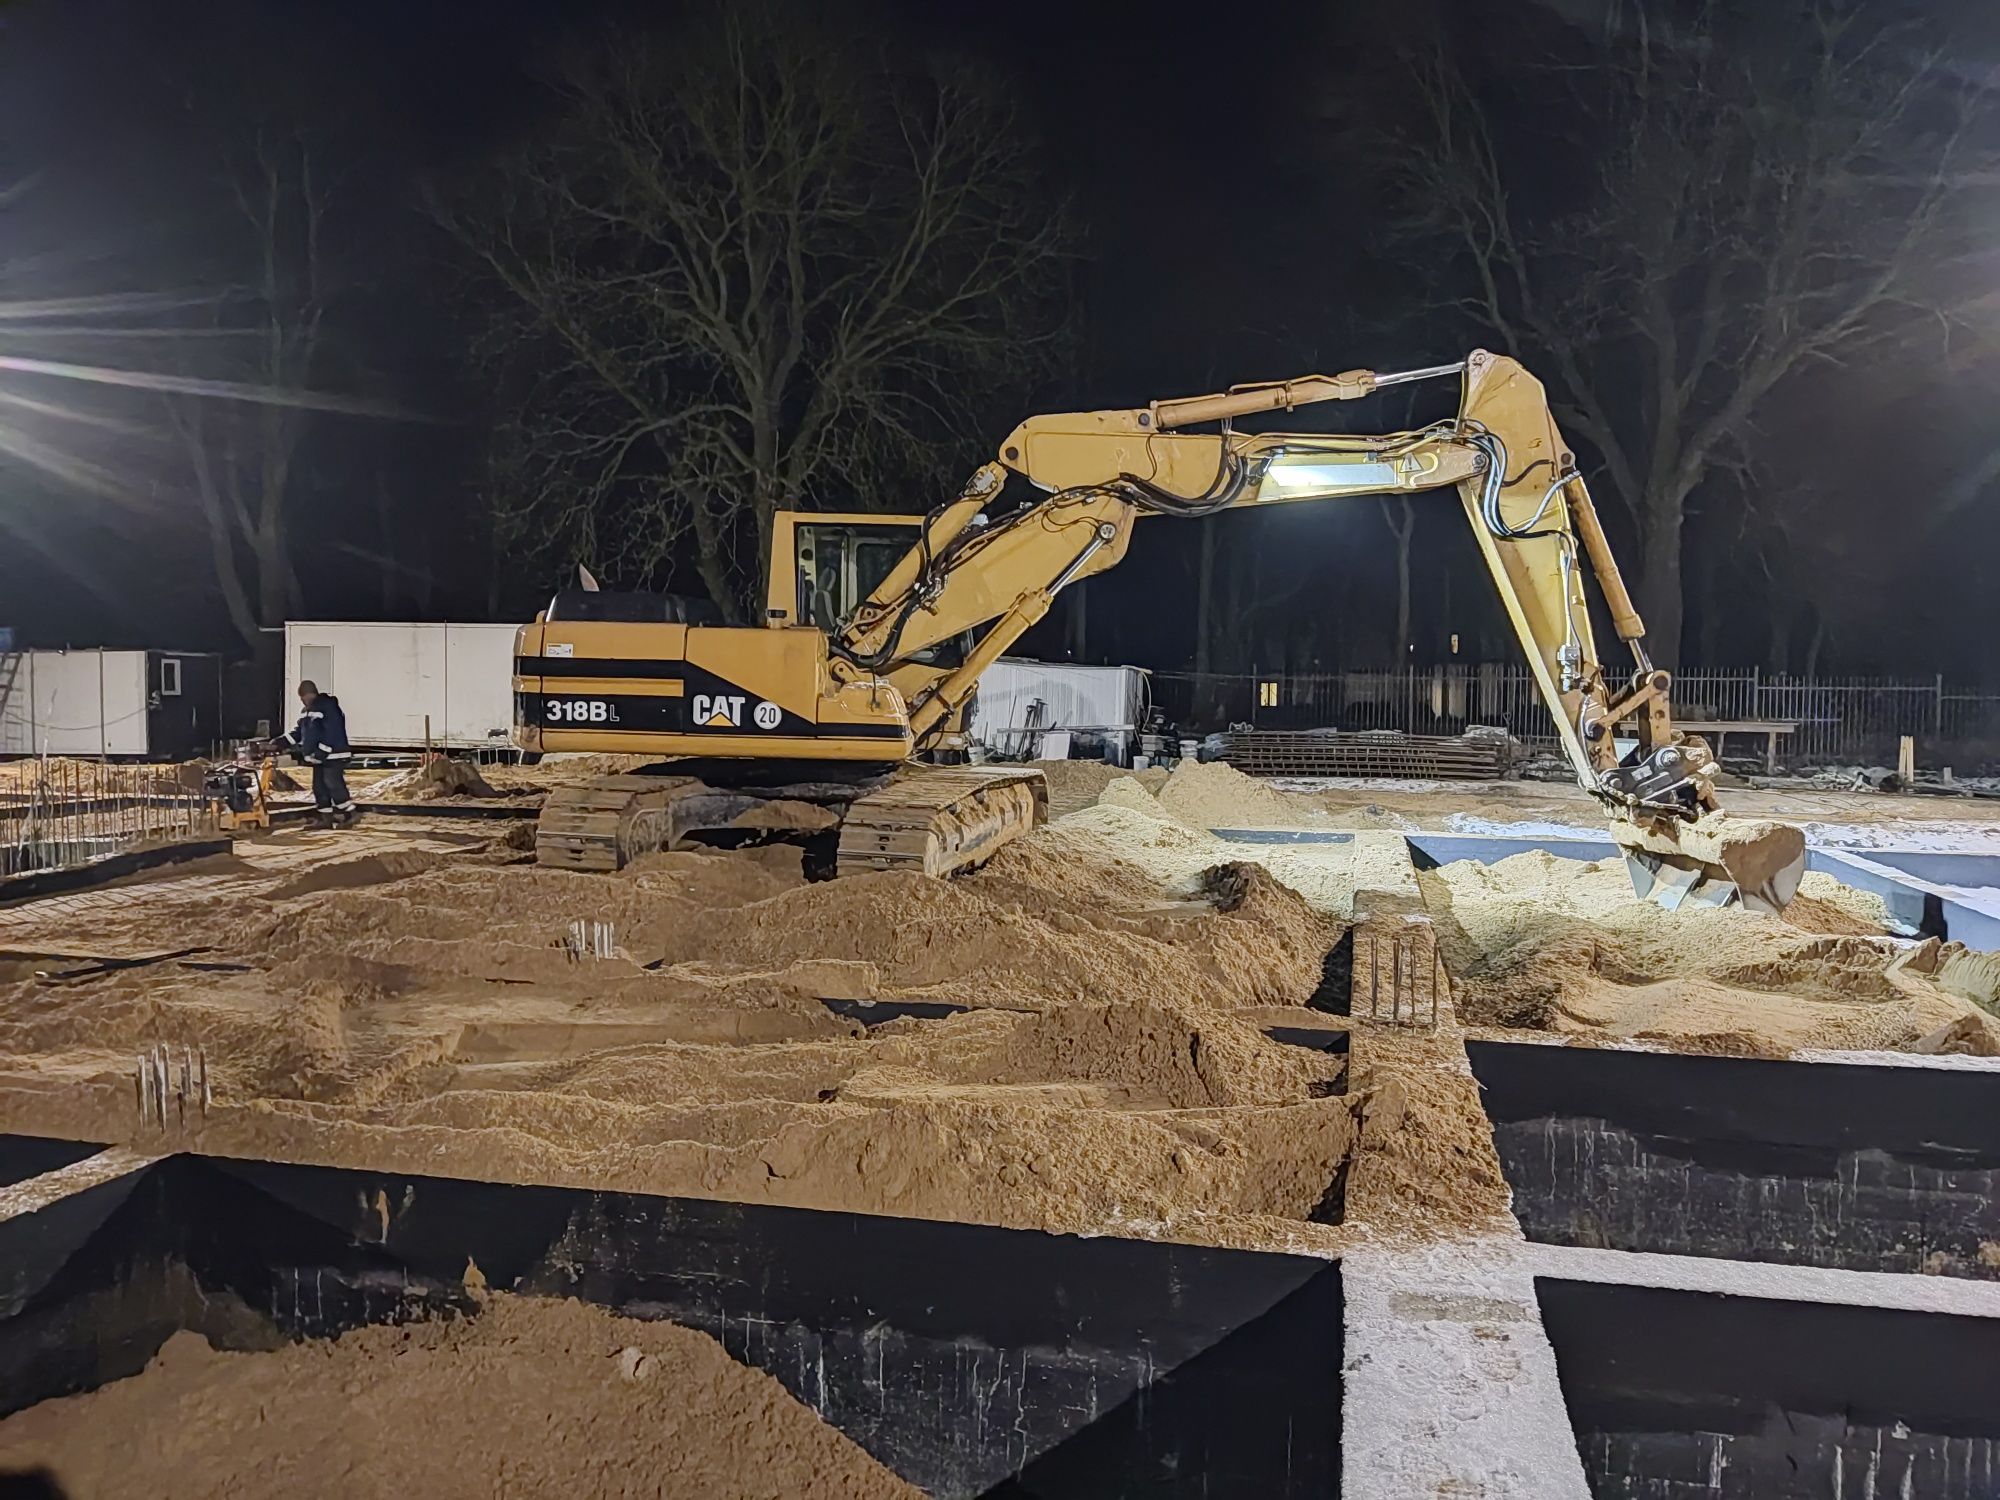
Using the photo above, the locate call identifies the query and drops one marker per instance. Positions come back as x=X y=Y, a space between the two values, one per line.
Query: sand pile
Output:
x=349 y=874
x=1213 y=795
x=432 y=1016
x=439 y=776
x=1135 y=827
x=563 y=770
x=30 y=771
x=1176 y=1055
x=1034 y=928
x=1425 y=1162
x=530 y=1397
x=1076 y=784
x=1550 y=944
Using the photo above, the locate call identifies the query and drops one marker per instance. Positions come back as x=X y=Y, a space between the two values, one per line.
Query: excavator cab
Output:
x=838 y=562
x=825 y=563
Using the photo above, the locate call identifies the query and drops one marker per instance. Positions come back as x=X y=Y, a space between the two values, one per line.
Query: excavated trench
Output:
x=1972 y=872
x=1676 y=1394
x=25 y=1156
x=1823 y=1164
x=972 y=1361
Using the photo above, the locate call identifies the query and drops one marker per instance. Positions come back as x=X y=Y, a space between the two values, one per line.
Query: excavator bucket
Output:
x=1713 y=861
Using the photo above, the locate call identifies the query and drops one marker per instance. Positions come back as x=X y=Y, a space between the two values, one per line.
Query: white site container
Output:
x=130 y=704
x=1107 y=701
x=403 y=685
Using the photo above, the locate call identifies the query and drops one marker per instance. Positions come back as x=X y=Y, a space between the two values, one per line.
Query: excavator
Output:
x=844 y=707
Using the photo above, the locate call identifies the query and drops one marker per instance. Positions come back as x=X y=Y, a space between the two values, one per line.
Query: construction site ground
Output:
x=1081 y=1036
x=1129 y=1024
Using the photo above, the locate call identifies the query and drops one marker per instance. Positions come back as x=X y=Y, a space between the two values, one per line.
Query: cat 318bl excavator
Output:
x=877 y=628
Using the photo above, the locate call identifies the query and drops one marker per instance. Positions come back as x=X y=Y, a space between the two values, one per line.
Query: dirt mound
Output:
x=438 y=777
x=1137 y=833
x=1541 y=942
x=530 y=1396
x=353 y=874
x=1842 y=910
x=783 y=816
x=1077 y=784
x=732 y=879
x=1424 y=1163
x=564 y=770
x=1213 y=795
x=1130 y=826
x=444 y=1021
x=517 y=838
x=1183 y=1056
x=1025 y=930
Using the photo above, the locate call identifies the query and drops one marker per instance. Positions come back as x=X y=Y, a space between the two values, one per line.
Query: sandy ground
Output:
x=1089 y=1054
x=413 y=1008
x=1092 y=1057
x=1549 y=944
x=529 y=1397
x=1834 y=818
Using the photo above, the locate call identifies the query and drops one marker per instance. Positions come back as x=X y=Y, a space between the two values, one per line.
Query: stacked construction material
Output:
x=1480 y=754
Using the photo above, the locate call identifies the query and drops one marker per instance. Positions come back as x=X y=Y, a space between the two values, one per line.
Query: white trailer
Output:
x=1020 y=701
x=404 y=685
x=135 y=705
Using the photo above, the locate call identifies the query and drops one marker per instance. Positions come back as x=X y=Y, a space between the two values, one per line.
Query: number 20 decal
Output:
x=580 y=711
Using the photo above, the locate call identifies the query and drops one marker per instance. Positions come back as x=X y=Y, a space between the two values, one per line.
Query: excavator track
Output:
x=607 y=823
x=941 y=820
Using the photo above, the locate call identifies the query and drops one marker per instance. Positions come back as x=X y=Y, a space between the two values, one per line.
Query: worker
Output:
x=320 y=740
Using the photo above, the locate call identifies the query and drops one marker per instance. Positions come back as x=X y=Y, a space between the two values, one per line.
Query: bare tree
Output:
x=766 y=269
x=1817 y=556
x=1747 y=204
x=265 y=335
x=1401 y=517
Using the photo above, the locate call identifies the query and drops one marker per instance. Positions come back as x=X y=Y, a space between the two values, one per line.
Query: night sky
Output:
x=1233 y=227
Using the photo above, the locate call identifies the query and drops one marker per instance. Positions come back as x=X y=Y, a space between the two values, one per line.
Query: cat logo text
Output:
x=718 y=710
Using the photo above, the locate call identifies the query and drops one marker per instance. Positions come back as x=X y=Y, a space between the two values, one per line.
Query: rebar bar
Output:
x=1374 y=977
x=591 y=939
x=172 y=1079
x=1413 y=959
x=1396 y=944
x=61 y=813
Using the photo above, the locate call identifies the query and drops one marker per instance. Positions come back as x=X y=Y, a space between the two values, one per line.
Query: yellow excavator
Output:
x=835 y=710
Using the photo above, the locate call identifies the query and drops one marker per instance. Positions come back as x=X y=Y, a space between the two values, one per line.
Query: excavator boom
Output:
x=1531 y=516
x=843 y=683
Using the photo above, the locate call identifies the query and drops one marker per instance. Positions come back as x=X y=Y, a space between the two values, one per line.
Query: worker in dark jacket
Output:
x=320 y=740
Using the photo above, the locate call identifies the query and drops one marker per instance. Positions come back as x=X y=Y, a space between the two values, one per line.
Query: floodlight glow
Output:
x=1324 y=475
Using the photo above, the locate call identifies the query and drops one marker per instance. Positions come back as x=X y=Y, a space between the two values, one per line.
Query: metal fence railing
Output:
x=56 y=813
x=1846 y=719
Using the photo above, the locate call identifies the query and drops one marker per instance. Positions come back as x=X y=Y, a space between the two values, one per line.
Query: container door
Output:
x=170 y=706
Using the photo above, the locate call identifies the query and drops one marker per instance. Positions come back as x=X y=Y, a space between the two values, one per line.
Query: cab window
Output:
x=841 y=564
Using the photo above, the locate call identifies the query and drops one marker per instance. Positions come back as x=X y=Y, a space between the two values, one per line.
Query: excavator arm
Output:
x=1531 y=515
